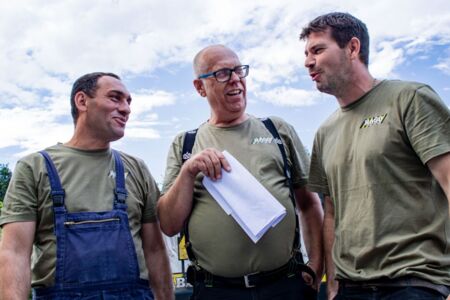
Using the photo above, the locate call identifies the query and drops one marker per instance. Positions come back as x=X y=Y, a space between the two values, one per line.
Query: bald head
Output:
x=209 y=56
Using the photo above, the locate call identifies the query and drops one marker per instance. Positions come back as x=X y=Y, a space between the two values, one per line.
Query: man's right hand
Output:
x=210 y=162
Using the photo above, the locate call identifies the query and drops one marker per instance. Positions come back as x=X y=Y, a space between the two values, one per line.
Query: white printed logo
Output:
x=266 y=140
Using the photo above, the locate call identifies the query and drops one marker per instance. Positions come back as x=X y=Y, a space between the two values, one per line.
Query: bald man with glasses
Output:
x=225 y=262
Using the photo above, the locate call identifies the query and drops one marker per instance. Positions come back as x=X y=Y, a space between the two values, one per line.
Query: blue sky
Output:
x=46 y=45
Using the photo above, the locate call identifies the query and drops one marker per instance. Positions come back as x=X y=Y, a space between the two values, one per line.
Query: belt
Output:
x=395 y=282
x=250 y=280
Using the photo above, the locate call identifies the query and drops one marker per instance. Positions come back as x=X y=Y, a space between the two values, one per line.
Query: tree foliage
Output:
x=5 y=177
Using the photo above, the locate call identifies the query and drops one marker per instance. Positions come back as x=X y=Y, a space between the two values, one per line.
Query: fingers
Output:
x=210 y=162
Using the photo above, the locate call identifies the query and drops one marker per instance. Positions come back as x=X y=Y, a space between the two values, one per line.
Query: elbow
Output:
x=170 y=232
x=169 y=226
x=169 y=222
x=170 y=229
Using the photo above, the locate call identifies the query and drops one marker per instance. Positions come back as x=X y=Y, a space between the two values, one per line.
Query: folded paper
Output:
x=245 y=199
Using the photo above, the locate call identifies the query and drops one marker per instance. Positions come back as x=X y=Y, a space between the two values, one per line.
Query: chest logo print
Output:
x=112 y=174
x=266 y=140
x=371 y=121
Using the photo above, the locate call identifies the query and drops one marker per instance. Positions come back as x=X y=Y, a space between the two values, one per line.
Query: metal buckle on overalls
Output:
x=58 y=197
x=121 y=195
x=247 y=280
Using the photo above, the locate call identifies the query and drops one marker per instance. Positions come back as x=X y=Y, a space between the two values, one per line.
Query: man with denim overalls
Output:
x=84 y=212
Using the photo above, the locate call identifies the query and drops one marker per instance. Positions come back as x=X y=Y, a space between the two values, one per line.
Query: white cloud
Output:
x=284 y=96
x=385 y=60
x=145 y=100
x=443 y=66
x=45 y=45
x=32 y=129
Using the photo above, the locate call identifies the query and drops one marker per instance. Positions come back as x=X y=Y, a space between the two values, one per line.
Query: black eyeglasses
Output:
x=223 y=75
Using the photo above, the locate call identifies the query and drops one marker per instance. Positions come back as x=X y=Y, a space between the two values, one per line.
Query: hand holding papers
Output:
x=245 y=199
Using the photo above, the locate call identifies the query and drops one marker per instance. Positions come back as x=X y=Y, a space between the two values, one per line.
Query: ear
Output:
x=198 y=84
x=81 y=101
x=354 y=47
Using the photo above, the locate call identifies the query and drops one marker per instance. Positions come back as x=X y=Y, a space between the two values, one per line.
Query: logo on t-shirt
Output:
x=371 y=121
x=112 y=174
x=266 y=140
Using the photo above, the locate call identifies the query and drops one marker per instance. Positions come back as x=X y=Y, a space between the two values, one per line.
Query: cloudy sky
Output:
x=45 y=45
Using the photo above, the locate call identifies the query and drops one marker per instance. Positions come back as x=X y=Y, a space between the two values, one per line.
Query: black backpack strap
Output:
x=186 y=153
x=273 y=130
x=188 y=144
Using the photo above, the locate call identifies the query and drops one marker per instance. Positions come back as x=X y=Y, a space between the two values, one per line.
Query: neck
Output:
x=227 y=122
x=355 y=87
x=86 y=142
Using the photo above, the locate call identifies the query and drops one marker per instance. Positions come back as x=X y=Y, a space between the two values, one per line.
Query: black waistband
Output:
x=396 y=282
x=250 y=280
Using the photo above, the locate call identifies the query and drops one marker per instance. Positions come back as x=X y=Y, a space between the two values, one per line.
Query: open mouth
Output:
x=234 y=92
x=314 y=76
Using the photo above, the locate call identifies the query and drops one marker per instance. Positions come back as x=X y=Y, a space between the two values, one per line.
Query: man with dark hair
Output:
x=382 y=160
x=88 y=85
x=86 y=213
x=226 y=263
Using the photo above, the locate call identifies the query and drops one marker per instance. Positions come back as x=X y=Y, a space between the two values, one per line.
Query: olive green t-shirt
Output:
x=88 y=178
x=219 y=244
x=391 y=215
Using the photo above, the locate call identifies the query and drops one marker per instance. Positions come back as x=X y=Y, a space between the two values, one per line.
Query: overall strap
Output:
x=120 y=192
x=59 y=210
x=57 y=192
x=273 y=130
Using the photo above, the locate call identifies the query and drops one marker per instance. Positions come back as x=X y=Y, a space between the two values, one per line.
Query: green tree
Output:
x=5 y=177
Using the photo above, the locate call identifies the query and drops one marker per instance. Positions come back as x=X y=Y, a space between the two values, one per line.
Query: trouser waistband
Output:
x=396 y=282
x=291 y=268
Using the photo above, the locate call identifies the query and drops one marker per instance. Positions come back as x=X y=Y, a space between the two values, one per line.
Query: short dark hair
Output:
x=87 y=84
x=343 y=27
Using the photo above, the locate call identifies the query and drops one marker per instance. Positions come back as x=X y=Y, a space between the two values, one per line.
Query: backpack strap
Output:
x=273 y=130
x=188 y=144
x=186 y=153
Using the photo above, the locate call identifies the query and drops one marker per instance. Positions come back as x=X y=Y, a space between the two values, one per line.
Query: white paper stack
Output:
x=245 y=199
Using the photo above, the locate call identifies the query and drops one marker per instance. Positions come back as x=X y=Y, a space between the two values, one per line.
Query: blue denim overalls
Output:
x=96 y=257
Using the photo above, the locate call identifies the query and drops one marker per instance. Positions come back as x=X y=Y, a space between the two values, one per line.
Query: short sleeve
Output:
x=20 y=203
x=427 y=124
x=317 y=178
x=173 y=163
x=149 y=211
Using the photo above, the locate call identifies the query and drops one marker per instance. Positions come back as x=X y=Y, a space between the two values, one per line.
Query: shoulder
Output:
x=403 y=88
x=35 y=160
x=279 y=123
x=131 y=160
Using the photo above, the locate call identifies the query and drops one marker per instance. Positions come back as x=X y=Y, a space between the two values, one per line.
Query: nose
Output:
x=309 y=61
x=124 y=107
x=234 y=77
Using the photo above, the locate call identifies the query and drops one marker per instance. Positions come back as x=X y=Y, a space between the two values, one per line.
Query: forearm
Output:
x=312 y=222
x=175 y=205
x=160 y=275
x=328 y=236
x=15 y=276
x=157 y=261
